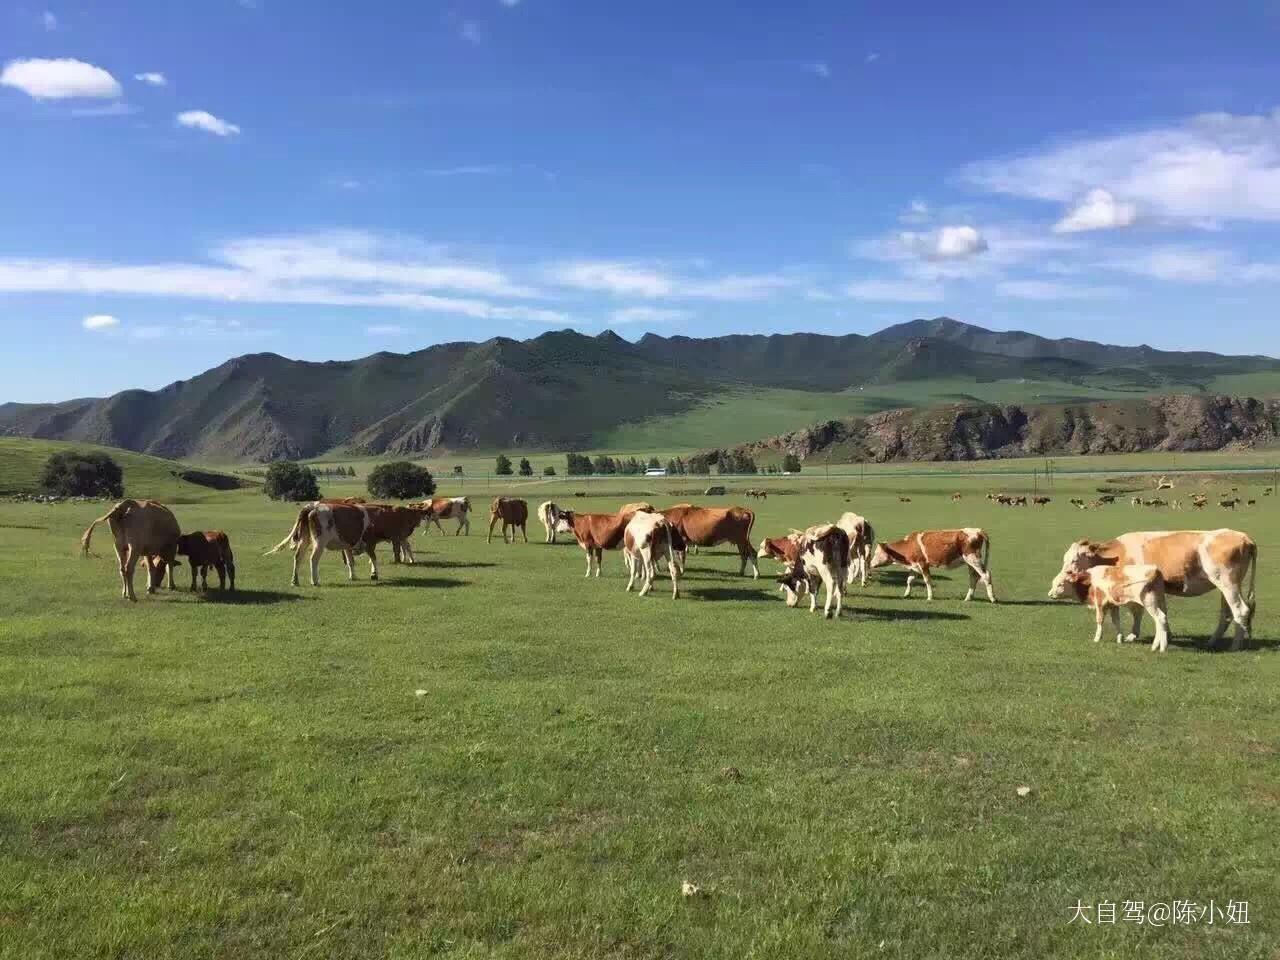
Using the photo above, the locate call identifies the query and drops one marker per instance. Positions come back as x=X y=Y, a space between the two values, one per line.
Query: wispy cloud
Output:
x=203 y=120
x=819 y=68
x=895 y=291
x=872 y=57
x=117 y=109
x=467 y=170
x=1099 y=210
x=470 y=31
x=100 y=322
x=608 y=276
x=62 y=79
x=49 y=20
x=152 y=78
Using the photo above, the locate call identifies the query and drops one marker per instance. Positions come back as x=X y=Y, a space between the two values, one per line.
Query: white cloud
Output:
x=917 y=212
x=202 y=120
x=610 y=276
x=100 y=322
x=1099 y=210
x=945 y=243
x=510 y=3
x=1048 y=290
x=466 y=170
x=819 y=68
x=1177 y=264
x=1216 y=166
x=117 y=108
x=59 y=79
x=647 y=315
x=49 y=20
x=894 y=291
x=152 y=79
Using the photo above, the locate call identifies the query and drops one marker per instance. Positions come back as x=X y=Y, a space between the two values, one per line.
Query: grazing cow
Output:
x=783 y=549
x=1077 y=502
x=1107 y=498
x=329 y=526
x=1229 y=504
x=598 y=532
x=142 y=530
x=956 y=498
x=1041 y=501
x=1164 y=483
x=1138 y=586
x=513 y=513
x=862 y=541
x=904 y=499
x=1192 y=562
x=211 y=548
x=709 y=526
x=450 y=508
x=555 y=520
x=1251 y=503
x=823 y=554
x=646 y=539
x=923 y=549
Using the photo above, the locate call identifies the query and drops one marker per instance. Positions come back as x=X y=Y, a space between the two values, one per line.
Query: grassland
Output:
x=486 y=755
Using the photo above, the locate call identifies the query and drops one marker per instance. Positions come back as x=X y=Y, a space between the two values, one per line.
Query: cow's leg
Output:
x=373 y=562
x=588 y=552
x=523 y=532
x=1098 y=616
x=1154 y=607
x=1234 y=606
x=121 y=557
x=977 y=572
x=1224 y=617
x=127 y=569
x=193 y=577
x=649 y=568
x=221 y=569
x=297 y=559
x=928 y=581
x=973 y=581
x=316 y=551
x=629 y=561
x=599 y=552
x=436 y=521
x=674 y=570
x=1137 y=623
x=1115 y=622
x=493 y=521
x=406 y=550
x=169 y=569
x=911 y=579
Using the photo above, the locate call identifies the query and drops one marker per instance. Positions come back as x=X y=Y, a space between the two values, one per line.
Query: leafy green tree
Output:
x=578 y=465
x=548 y=471
x=526 y=468
x=502 y=466
x=400 y=480
x=791 y=463
x=290 y=481
x=654 y=464
x=75 y=474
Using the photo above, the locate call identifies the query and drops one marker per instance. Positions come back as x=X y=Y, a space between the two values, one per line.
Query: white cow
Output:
x=823 y=555
x=555 y=520
x=646 y=540
x=862 y=541
x=1136 y=585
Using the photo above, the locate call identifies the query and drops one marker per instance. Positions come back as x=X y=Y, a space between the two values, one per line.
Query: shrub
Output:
x=526 y=468
x=76 y=474
x=791 y=463
x=400 y=480
x=290 y=481
x=502 y=466
x=578 y=465
x=548 y=471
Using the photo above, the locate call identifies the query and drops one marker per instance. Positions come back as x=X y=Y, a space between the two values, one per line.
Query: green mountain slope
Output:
x=564 y=390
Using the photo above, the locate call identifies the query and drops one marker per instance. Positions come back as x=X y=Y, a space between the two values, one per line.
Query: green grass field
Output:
x=486 y=755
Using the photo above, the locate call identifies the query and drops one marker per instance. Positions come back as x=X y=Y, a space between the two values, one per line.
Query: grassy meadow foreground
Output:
x=486 y=755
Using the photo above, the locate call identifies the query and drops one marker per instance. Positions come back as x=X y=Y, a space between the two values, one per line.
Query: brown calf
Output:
x=210 y=548
x=513 y=513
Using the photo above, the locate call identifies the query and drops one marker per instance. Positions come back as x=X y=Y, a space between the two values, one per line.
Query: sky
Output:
x=187 y=182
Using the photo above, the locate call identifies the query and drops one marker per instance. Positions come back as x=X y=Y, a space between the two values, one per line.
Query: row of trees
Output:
x=700 y=464
x=399 y=480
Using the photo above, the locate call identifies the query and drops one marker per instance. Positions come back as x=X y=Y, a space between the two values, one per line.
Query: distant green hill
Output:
x=563 y=390
x=21 y=461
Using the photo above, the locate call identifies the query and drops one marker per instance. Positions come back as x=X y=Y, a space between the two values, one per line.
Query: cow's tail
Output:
x=986 y=551
x=118 y=511
x=296 y=535
x=1251 y=596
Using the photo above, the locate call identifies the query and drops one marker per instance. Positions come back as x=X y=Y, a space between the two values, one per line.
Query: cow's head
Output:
x=792 y=582
x=1069 y=586
x=884 y=556
x=1080 y=556
x=185 y=544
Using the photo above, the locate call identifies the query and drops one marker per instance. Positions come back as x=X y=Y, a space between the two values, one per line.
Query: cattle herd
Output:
x=1137 y=570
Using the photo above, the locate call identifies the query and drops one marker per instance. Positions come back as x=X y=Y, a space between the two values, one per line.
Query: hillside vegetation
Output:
x=563 y=390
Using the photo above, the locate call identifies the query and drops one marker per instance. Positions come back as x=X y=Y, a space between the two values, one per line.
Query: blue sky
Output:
x=188 y=182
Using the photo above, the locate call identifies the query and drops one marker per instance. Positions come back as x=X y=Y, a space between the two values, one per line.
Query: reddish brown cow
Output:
x=210 y=548
x=923 y=549
x=395 y=525
x=447 y=508
x=709 y=526
x=786 y=550
x=598 y=532
x=513 y=513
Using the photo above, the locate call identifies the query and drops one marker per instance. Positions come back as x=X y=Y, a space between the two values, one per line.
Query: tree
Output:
x=400 y=480
x=502 y=466
x=790 y=463
x=526 y=468
x=457 y=469
x=290 y=481
x=75 y=474
x=654 y=464
x=548 y=471
x=578 y=465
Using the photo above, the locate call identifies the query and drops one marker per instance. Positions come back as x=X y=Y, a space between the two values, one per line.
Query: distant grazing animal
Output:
x=646 y=539
x=923 y=549
x=211 y=548
x=1077 y=502
x=1229 y=504
x=513 y=512
x=1267 y=492
x=1251 y=503
x=1136 y=585
x=1041 y=501
x=329 y=526
x=862 y=541
x=1192 y=562
x=554 y=520
x=904 y=499
x=1107 y=498
x=758 y=494
x=1019 y=502
x=1003 y=499
x=709 y=526
x=141 y=530
x=823 y=554
x=1164 y=483
x=450 y=508
x=598 y=532
x=956 y=498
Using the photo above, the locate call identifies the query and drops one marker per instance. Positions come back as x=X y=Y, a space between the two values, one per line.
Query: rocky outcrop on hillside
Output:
x=978 y=432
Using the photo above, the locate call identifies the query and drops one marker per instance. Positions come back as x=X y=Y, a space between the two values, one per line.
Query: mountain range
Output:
x=564 y=390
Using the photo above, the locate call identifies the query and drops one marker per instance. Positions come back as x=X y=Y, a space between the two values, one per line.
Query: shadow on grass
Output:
x=1025 y=603
x=874 y=613
x=731 y=593
x=248 y=598
x=1201 y=644
x=21 y=526
x=442 y=564
x=899 y=578
x=439 y=582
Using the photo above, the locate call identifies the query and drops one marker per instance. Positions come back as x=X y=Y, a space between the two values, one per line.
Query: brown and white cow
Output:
x=209 y=548
x=141 y=530
x=394 y=525
x=648 y=538
x=709 y=526
x=822 y=554
x=862 y=541
x=450 y=508
x=514 y=514
x=1192 y=562
x=329 y=526
x=555 y=520
x=598 y=532
x=923 y=549
x=1107 y=589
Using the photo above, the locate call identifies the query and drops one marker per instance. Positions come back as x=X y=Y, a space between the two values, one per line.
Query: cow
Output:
x=1229 y=504
x=1192 y=562
x=646 y=539
x=1136 y=585
x=450 y=508
x=1041 y=501
x=513 y=513
x=598 y=532
x=923 y=549
x=1164 y=483
x=1077 y=502
x=141 y=530
x=329 y=526
x=555 y=520
x=1107 y=498
x=862 y=541
x=956 y=497
x=783 y=549
x=709 y=526
x=210 y=548
x=822 y=554
x=904 y=499
x=394 y=525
